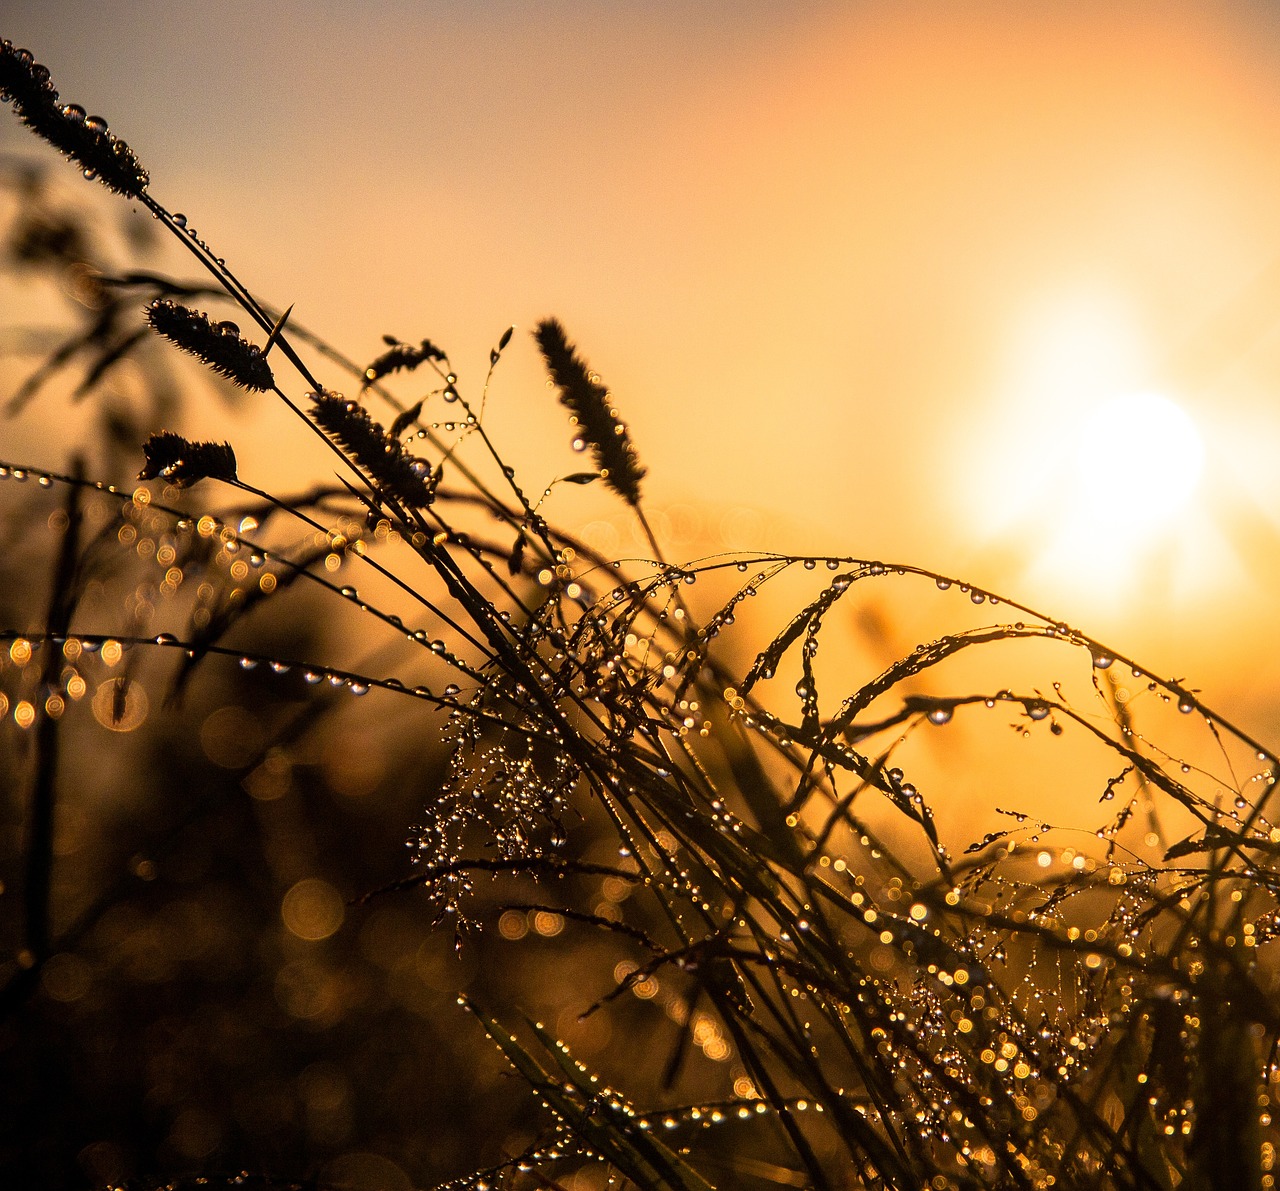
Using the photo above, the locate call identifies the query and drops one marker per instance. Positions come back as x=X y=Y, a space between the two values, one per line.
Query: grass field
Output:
x=709 y=892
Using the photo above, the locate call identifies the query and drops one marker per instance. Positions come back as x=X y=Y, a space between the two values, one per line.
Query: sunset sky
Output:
x=993 y=288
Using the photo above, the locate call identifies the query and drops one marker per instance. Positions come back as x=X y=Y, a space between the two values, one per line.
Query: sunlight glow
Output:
x=1122 y=487
x=1096 y=484
x=1137 y=462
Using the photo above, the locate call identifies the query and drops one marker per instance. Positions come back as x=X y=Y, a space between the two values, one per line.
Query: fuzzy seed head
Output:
x=379 y=454
x=217 y=344
x=172 y=458
x=26 y=84
x=589 y=401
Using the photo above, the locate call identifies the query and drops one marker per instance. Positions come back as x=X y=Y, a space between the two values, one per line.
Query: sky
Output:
x=989 y=287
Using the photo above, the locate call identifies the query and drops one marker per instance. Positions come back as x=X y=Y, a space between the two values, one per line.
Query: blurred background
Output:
x=993 y=289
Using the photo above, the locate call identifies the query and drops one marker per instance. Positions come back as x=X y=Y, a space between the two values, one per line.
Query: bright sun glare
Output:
x=1095 y=476
x=1124 y=481
x=1161 y=454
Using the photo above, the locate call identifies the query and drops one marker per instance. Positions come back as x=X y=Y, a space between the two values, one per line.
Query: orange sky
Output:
x=866 y=268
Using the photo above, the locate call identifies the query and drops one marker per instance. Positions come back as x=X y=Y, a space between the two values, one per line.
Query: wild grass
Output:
x=856 y=992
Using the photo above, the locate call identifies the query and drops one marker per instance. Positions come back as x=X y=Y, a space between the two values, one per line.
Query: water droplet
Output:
x=1186 y=706
x=96 y=124
x=311 y=677
x=940 y=715
x=359 y=688
x=74 y=112
x=248 y=663
x=179 y=219
x=165 y=639
x=1037 y=711
x=978 y=597
x=45 y=482
x=451 y=690
x=1102 y=661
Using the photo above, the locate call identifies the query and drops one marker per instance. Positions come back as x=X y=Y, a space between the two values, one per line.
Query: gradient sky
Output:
x=870 y=268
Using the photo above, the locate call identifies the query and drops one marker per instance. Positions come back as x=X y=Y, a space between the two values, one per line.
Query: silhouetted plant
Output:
x=876 y=1004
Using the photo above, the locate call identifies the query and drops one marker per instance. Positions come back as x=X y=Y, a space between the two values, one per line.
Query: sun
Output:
x=1120 y=488
x=1094 y=483
x=1135 y=465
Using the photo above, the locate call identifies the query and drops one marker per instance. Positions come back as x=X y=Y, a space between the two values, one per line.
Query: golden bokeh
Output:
x=312 y=909
x=120 y=704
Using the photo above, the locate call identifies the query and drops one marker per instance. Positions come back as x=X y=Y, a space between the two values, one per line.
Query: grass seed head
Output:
x=597 y=420
x=178 y=461
x=26 y=84
x=217 y=344
x=347 y=423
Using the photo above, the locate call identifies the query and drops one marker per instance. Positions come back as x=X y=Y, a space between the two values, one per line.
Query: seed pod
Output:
x=218 y=344
x=85 y=139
